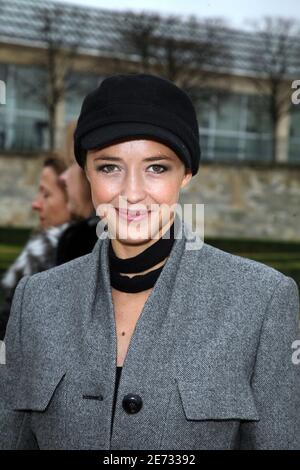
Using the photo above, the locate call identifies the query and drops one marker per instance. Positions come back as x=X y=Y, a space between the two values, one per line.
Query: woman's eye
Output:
x=112 y=168
x=106 y=168
x=158 y=168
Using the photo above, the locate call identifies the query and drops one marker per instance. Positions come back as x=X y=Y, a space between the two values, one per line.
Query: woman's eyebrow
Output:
x=108 y=157
x=157 y=157
x=148 y=159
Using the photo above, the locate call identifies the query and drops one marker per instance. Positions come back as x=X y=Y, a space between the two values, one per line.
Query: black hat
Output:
x=142 y=106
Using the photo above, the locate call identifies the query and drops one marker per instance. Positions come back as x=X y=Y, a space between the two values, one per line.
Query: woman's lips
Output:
x=139 y=215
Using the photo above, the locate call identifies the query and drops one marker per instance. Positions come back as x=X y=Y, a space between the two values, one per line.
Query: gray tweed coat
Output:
x=210 y=357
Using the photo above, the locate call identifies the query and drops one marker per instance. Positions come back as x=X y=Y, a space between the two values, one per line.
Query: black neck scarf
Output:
x=148 y=258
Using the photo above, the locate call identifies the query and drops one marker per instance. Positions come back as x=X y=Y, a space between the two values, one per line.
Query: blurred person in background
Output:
x=51 y=201
x=80 y=237
x=39 y=252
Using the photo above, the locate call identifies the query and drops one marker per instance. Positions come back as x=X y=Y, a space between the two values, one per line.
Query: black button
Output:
x=132 y=403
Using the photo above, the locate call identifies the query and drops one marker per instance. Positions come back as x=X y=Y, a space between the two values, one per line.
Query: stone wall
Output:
x=239 y=200
x=248 y=201
x=19 y=178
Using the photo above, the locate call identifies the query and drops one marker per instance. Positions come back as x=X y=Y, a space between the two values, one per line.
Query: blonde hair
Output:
x=67 y=151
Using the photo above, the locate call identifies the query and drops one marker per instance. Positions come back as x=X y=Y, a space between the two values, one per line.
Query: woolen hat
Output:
x=138 y=106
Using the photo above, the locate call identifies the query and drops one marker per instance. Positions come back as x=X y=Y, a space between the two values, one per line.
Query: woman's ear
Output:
x=187 y=177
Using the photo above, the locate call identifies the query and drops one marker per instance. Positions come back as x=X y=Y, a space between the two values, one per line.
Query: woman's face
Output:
x=78 y=190
x=136 y=174
x=50 y=201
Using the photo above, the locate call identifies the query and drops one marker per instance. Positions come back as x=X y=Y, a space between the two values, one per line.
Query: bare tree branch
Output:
x=186 y=52
x=61 y=34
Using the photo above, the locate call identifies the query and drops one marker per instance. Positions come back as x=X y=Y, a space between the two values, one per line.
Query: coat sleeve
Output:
x=276 y=376
x=15 y=432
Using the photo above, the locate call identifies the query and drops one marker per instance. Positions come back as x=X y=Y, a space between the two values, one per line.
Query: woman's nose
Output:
x=134 y=188
x=36 y=204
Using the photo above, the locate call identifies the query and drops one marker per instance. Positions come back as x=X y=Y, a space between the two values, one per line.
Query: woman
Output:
x=80 y=237
x=200 y=340
x=39 y=252
x=51 y=201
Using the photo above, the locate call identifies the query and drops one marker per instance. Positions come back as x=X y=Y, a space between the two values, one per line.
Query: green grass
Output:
x=14 y=236
x=253 y=247
x=8 y=253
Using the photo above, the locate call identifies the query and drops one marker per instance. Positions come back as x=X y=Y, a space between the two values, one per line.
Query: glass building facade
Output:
x=233 y=126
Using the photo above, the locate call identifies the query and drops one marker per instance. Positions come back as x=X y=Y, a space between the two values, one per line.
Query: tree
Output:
x=275 y=60
x=60 y=33
x=184 y=51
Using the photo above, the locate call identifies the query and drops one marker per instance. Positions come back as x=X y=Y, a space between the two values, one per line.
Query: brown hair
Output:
x=56 y=163
x=58 y=166
x=67 y=153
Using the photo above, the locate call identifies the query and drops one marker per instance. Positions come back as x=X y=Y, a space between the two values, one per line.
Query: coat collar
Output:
x=185 y=240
